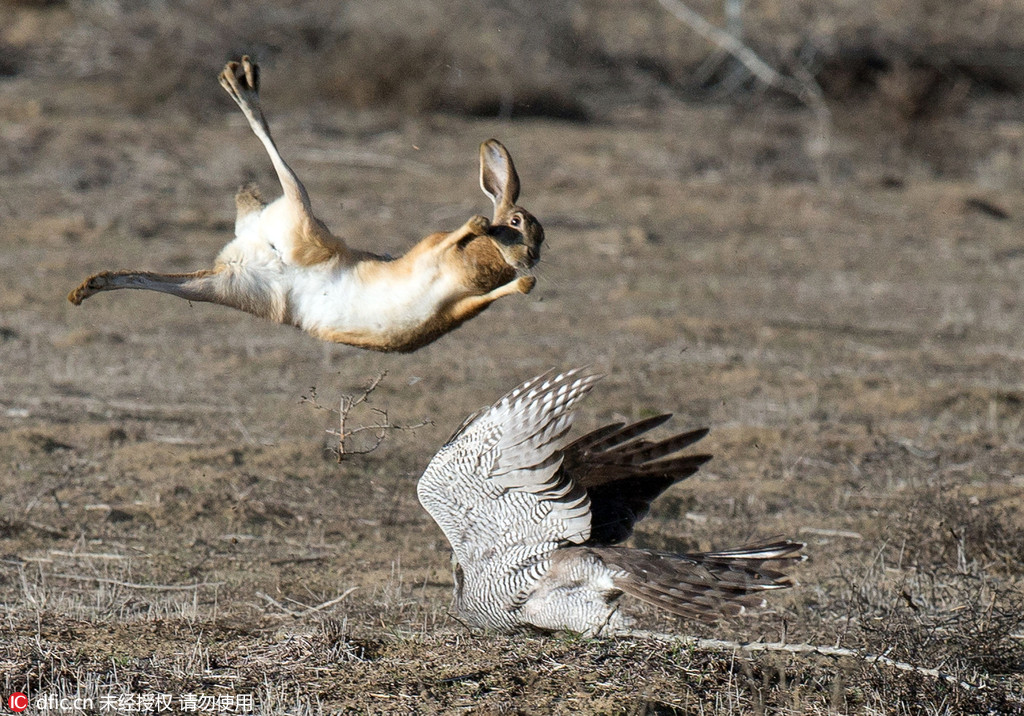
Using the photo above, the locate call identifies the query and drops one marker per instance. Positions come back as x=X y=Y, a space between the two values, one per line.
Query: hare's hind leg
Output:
x=312 y=240
x=218 y=285
x=196 y=286
x=233 y=287
x=241 y=80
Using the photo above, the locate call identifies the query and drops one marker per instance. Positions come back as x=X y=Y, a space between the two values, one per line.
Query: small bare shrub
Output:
x=359 y=439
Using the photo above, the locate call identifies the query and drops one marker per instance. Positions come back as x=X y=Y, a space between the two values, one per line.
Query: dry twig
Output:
x=347 y=404
x=308 y=610
x=833 y=651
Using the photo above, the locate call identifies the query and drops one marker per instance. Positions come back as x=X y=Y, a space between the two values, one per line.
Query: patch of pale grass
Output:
x=104 y=590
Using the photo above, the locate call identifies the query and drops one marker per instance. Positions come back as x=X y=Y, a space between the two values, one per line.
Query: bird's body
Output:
x=534 y=523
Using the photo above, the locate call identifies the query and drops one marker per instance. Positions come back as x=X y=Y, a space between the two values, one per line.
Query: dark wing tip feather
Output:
x=611 y=436
x=617 y=455
x=677 y=468
x=592 y=438
x=643 y=451
x=624 y=473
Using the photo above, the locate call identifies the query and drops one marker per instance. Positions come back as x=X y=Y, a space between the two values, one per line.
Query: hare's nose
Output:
x=532 y=253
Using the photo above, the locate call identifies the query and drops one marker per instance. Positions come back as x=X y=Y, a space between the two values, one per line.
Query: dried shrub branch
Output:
x=378 y=429
x=833 y=651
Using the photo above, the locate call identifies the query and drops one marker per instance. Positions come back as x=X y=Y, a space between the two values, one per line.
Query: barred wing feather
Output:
x=496 y=487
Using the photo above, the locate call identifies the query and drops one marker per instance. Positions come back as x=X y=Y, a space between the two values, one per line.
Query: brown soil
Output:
x=848 y=323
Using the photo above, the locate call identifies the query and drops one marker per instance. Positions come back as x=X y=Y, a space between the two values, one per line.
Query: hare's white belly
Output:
x=378 y=298
x=339 y=299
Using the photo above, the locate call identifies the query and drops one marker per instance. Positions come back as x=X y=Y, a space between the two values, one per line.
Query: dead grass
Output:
x=324 y=668
x=937 y=590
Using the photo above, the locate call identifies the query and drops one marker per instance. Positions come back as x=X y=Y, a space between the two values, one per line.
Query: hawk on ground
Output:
x=534 y=520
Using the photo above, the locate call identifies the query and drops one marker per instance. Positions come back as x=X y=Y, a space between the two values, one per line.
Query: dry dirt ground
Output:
x=173 y=519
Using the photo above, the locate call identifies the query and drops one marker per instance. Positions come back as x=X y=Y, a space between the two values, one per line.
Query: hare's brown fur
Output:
x=285 y=265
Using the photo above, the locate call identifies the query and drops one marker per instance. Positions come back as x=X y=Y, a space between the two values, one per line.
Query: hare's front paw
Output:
x=525 y=284
x=478 y=225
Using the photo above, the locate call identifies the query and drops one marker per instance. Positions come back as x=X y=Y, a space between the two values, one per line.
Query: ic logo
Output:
x=17 y=702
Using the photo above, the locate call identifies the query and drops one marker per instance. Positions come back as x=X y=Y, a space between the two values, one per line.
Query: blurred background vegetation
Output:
x=573 y=60
x=900 y=78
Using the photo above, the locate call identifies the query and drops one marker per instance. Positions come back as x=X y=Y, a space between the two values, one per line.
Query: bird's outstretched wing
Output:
x=623 y=473
x=495 y=488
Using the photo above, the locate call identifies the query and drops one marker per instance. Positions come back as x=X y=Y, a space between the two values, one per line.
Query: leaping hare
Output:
x=285 y=265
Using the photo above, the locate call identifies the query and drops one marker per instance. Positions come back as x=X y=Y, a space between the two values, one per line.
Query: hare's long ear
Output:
x=498 y=176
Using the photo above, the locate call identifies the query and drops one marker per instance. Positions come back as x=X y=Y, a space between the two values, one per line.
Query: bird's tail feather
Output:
x=704 y=585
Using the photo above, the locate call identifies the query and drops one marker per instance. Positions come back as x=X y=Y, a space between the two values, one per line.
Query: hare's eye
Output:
x=515 y=220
